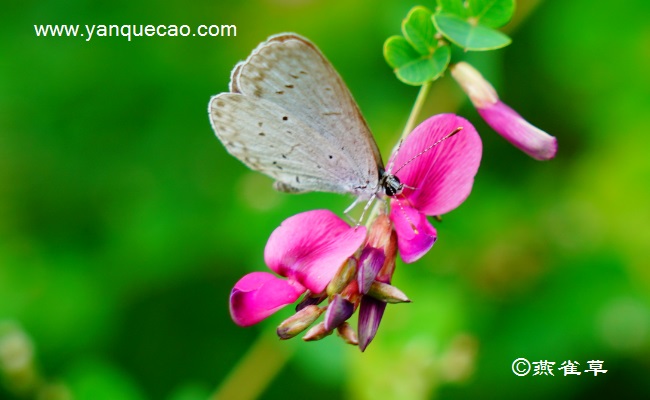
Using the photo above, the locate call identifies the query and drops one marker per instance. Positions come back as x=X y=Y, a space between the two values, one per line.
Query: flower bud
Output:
x=298 y=322
x=338 y=311
x=380 y=232
x=370 y=262
x=387 y=293
x=343 y=277
x=370 y=312
x=348 y=334
x=310 y=299
x=480 y=92
x=316 y=333
x=381 y=235
x=503 y=119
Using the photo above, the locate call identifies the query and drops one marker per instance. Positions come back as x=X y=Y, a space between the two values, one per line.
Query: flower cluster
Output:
x=321 y=257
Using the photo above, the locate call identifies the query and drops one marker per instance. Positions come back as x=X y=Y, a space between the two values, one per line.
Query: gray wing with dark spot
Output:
x=290 y=72
x=267 y=138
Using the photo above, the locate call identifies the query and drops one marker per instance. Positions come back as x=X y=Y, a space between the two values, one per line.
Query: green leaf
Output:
x=469 y=36
x=491 y=13
x=419 y=30
x=470 y=23
x=418 y=71
x=418 y=56
x=399 y=52
x=455 y=7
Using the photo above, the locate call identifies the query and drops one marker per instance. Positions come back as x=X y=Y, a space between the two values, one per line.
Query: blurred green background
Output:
x=124 y=223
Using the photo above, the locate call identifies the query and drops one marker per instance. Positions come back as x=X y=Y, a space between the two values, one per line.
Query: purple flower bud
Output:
x=370 y=312
x=338 y=311
x=370 y=263
x=310 y=299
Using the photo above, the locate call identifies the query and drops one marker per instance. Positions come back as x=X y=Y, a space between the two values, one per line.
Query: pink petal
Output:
x=443 y=176
x=531 y=140
x=258 y=295
x=311 y=246
x=412 y=245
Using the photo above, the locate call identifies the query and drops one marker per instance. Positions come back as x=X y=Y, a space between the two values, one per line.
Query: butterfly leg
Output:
x=350 y=208
x=367 y=206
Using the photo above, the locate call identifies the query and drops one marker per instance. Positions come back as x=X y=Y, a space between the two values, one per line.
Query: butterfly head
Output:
x=391 y=184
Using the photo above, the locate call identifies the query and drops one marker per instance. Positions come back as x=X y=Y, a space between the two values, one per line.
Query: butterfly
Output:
x=290 y=116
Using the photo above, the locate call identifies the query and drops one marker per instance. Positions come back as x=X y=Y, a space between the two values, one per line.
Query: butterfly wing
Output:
x=291 y=117
x=266 y=138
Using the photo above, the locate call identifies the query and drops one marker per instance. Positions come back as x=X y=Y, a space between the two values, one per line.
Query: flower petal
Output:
x=258 y=295
x=526 y=137
x=311 y=246
x=443 y=176
x=481 y=93
x=415 y=234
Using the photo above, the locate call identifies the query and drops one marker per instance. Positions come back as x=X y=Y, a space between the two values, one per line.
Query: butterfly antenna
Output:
x=392 y=162
x=460 y=128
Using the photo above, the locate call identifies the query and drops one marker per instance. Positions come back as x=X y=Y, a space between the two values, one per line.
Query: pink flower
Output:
x=442 y=177
x=308 y=249
x=503 y=119
x=319 y=254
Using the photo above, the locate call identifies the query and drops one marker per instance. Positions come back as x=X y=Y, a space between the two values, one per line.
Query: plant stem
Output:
x=252 y=374
x=417 y=108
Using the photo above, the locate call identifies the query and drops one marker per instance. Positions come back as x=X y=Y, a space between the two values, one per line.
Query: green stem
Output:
x=255 y=370
x=417 y=108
